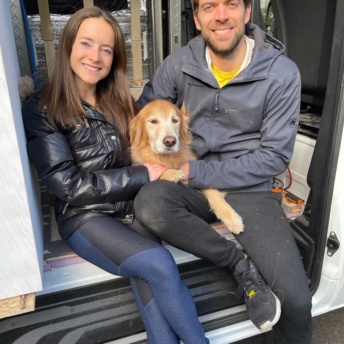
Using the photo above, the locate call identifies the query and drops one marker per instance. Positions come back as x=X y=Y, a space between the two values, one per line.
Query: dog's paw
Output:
x=234 y=223
x=172 y=175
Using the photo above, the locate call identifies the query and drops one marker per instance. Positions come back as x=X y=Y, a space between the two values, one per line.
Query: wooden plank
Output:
x=136 y=92
x=136 y=39
x=49 y=49
x=88 y=3
x=47 y=34
x=17 y=305
x=44 y=13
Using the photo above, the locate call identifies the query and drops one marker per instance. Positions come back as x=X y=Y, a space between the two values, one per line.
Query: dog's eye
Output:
x=154 y=121
x=174 y=120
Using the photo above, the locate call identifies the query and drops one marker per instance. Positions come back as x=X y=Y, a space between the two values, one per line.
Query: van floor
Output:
x=107 y=311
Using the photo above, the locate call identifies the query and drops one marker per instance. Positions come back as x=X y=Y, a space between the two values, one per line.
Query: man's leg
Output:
x=180 y=216
x=269 y=241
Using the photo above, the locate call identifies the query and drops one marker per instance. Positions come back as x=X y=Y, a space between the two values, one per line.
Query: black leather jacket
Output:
x=87 y=168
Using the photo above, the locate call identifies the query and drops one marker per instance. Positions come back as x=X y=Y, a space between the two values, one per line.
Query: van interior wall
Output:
x=71 y=6
x=306 y=29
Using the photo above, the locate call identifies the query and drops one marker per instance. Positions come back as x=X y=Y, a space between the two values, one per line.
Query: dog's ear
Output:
x=136 y=130
x=185 y=132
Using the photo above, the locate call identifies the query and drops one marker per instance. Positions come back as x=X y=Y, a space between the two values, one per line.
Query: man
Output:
x=244 y=96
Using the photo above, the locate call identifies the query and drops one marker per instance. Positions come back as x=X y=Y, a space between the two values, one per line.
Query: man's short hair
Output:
x=195 y=4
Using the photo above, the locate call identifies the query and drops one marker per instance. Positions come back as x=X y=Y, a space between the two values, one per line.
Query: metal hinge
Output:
x=332 y=244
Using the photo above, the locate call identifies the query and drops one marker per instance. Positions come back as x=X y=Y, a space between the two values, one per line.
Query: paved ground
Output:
x=328 y=329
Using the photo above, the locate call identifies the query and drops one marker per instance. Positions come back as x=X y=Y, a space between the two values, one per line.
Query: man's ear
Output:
x=198 y=26
x=247 y=13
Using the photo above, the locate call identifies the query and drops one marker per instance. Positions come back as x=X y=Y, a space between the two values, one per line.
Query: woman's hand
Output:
x=155 y=170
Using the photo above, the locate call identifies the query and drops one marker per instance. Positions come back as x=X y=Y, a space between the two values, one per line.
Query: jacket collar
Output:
x=91 y=112
x=266 y=50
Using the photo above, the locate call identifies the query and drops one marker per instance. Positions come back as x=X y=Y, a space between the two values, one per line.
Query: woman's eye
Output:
x=107 y=51
x=86 y=44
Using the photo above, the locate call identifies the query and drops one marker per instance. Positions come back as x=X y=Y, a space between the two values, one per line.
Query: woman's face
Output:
x=92 y=53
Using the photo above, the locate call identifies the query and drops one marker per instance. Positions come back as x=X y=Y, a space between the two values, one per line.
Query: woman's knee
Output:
x=154 y=265
x=164 y=266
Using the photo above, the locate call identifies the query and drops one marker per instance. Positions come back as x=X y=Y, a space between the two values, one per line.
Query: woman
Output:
x=77 y=139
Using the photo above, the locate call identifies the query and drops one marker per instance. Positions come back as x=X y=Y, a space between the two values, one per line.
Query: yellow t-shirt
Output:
x=224 y=77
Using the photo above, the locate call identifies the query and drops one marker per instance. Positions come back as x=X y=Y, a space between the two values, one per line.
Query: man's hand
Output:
x=185 y=169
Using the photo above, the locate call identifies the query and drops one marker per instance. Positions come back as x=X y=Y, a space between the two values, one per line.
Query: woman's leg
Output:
x=117 y=249
x=148 y=308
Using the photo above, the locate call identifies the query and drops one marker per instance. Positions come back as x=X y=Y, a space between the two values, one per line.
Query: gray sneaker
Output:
x=263 y=306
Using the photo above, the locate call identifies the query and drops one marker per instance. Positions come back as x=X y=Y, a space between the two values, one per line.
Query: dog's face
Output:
x=161 y=125
x=162 y=128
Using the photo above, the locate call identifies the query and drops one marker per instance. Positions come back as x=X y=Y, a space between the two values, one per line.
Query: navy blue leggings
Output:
x=165 y=304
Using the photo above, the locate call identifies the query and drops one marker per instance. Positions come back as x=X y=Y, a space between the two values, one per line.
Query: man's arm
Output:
x=278 y=133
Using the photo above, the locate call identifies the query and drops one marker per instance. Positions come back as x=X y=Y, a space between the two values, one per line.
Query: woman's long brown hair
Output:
x=61 y=96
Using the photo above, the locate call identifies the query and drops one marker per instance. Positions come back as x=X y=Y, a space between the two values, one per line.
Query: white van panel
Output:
x=299 y=165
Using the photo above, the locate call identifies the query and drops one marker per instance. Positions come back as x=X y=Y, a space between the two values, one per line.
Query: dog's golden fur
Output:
x=160 y=134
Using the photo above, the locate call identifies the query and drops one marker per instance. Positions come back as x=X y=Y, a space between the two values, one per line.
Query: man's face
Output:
x=222 y=24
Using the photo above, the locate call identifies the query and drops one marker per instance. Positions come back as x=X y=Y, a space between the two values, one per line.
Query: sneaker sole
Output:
x=268 y=325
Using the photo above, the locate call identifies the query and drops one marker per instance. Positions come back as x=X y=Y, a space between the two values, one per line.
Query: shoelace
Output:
x=246 y=284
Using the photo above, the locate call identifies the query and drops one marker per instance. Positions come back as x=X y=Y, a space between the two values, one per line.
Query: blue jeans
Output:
x=165 y=304
x=181 y=216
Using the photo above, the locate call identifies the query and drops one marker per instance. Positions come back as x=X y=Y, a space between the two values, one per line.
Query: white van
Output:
x=49 y=295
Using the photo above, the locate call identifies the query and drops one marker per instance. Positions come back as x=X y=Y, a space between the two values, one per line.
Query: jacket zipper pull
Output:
x=65 y=208
x=86 y=122
x=217 y=102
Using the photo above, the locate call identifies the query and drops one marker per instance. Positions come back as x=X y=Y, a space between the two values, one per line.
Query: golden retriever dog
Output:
x=160 y=134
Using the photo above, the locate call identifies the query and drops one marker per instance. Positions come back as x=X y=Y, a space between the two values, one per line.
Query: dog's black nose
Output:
x=169 y=141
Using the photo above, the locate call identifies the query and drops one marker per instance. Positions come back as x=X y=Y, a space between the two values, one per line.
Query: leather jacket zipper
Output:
x=86 y=122
x=65 y=208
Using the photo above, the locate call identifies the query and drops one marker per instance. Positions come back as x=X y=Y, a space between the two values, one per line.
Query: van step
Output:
x=107 y=311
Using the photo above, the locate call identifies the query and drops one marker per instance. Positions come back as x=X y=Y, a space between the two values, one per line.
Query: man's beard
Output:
x=225 y=51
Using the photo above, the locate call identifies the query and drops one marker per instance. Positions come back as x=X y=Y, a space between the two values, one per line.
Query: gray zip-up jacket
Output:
x=244 y=133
